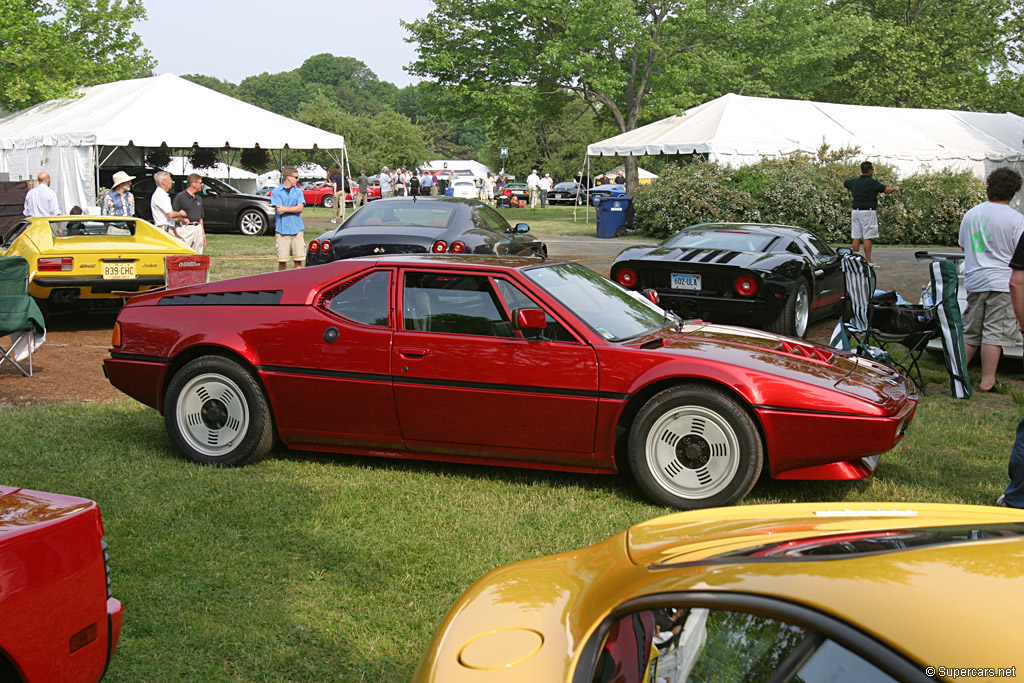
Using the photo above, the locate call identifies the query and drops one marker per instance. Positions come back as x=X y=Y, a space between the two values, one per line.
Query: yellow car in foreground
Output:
x=803 y=592
x=74 y=258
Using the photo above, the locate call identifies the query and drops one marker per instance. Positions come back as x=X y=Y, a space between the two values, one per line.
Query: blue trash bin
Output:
x=612 y=214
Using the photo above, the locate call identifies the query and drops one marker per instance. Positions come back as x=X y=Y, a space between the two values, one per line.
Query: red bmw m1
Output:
x=500 y=361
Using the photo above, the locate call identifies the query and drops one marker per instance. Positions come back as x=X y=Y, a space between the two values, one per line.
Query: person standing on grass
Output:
x=190 y=229
x=164 y=215
x=337 y=180
x=362 y=187
x=864 y=217
x=545 y=186
x=533 y=186
x=41 y=200
x=1014 y=494
x=289 y=202
x=989 y=233
x=385 y=183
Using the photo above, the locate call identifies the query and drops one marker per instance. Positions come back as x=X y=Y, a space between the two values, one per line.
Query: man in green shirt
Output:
x=864 y=217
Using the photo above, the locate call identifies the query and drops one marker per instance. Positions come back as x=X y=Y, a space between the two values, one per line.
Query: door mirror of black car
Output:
x=522 y=227
x=530 y=319
x=843 y=251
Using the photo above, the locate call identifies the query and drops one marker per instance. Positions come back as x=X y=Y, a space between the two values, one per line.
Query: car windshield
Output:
x=732 y=240
x=608 y=309
x=91 y=227
x=404 y=213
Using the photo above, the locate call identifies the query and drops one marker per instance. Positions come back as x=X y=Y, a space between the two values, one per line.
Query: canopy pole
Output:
x=576 y=202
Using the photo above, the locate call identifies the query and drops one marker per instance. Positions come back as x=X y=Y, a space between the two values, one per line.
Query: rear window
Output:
x=404 y=213
x=729 y=240
x=79 y=228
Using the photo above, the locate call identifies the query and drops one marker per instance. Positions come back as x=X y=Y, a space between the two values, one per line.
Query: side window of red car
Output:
x=516 y=298
x=364 y=299
x=453 y=303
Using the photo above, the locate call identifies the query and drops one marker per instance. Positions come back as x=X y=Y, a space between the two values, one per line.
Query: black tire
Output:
x=693 y=446
x=253 y=223
x=328 y=201
x=795 y=317
x=216 y=413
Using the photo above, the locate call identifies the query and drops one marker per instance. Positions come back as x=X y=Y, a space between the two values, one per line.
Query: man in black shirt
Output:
x=190 y=229
x=864 y=217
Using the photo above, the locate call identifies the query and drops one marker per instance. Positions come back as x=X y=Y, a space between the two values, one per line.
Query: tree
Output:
x=223 y=87
x=48 y=48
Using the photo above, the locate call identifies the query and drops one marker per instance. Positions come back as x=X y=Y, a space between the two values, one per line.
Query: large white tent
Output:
x=115 y=123
x=738 y=130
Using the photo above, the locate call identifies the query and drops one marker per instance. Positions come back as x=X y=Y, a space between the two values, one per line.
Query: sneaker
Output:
x=333 y=221
x=1001 y=500
x=873 y=265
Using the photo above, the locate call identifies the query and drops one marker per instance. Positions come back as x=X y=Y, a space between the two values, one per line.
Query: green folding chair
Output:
x=21 y=321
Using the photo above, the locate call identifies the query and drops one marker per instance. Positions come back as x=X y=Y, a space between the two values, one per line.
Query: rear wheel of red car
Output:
x=796 y=314
x=694 y=446
x=329 y=201
x=216 y=413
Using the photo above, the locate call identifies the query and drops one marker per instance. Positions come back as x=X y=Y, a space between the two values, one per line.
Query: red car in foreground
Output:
x=500 y=361
x=58 y=621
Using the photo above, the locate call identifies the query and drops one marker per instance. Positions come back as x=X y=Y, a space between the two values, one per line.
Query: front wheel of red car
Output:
x=329 y=201
x=216 y=413
x=694 y=446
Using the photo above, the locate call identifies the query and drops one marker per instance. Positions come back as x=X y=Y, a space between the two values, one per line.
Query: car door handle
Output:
x=412 y=353
x=819 y=273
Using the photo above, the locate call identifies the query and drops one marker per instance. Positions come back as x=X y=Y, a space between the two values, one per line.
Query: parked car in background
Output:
x=58 y=618
x=567 y=192
x=319 y=193
x=600 y=192
x=90 y=259
x=408 y=225
x=518 y=190
x=428 y=356
x=466 y=189
x=225 y=209
x=372 y=191
x=774 y=277
x=812 y=592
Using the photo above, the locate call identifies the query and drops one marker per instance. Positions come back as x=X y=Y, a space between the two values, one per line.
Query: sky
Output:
x=231 y=40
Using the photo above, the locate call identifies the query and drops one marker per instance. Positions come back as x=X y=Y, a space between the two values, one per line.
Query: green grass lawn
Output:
x=310 y=567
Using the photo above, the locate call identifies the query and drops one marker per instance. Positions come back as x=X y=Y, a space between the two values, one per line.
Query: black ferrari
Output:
x=419 y=225
x=773 y=277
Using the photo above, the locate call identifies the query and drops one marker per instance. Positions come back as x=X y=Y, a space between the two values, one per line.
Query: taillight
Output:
x=457 y=248
x=439 y=247
x=745 y=285
x=55 y=264
x=325 y=246
x=626 y=277
x=313 y=246
x=115 y=336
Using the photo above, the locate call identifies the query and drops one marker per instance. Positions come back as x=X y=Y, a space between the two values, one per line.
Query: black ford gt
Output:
x=773 y=277
x=420 y=225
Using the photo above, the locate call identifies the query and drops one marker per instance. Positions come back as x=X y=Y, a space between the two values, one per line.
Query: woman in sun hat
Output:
x=119 y=201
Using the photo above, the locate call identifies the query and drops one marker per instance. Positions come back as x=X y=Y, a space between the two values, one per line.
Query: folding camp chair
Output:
x=20 y=318
x=876 y=323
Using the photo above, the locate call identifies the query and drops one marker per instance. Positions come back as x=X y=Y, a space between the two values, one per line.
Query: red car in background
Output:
x=319 y=193
x=58 y=621
x=372 y=191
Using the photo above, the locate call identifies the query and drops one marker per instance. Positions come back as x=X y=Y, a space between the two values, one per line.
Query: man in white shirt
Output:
x=385 y=183
x=160 y=204
x=989 y=233
x=545 y=185
x=533 y=185
x=41 y=200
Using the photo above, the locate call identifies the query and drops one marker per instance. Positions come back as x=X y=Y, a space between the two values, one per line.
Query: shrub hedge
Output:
x=807 y=191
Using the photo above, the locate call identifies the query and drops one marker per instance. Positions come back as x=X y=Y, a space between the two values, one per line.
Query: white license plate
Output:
x=686 y=281
x=121 y=270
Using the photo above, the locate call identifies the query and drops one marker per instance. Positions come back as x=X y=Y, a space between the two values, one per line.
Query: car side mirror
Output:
x=522 y=227
x=843 y=251
x=530 y=319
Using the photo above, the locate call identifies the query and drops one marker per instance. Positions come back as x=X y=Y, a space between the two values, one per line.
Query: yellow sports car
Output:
x=74 y=258
x=802 y=592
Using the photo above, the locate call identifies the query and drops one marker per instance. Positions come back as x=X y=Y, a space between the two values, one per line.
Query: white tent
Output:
x=113 y=124
x=478 y=169
x=738 y=130
x=238 y=178
x=645 y=177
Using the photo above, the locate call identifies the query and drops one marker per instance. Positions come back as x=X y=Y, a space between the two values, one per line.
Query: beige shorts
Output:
x=864 y=224
x=290 y=247
x=989 y=320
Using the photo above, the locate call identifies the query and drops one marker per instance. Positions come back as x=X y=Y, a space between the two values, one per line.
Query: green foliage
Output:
x=216 y=84
x=50 y=47
x=806 y=191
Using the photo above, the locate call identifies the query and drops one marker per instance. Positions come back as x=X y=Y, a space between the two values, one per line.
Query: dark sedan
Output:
x=566 y=192
x=418 y=225
x=225 y=209
x=774 y=277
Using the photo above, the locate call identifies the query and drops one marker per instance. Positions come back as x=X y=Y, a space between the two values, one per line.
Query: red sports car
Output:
x=58 y=621
x=319 y=194
x=500 y=361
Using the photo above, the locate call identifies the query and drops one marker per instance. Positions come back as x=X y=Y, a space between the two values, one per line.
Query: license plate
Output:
x=686 y=281
x=120 y=270
x=562 y=196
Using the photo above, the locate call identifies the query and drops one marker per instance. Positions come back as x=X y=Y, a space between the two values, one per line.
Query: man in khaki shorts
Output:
x=864 y=217
x=289 y=202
